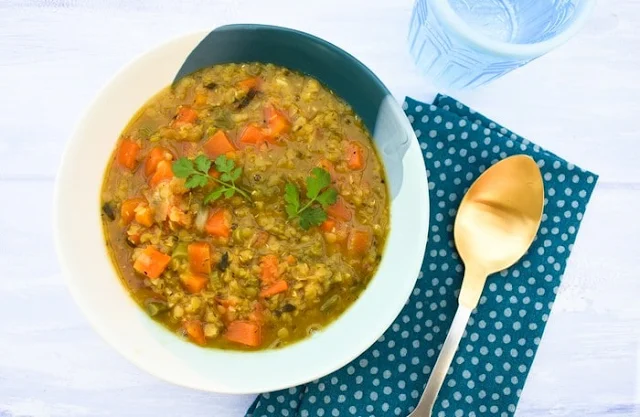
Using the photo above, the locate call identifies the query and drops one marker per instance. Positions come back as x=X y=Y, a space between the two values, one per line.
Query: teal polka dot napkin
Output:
x=503 y=334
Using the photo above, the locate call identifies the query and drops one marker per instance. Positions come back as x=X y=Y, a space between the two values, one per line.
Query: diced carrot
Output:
x=244 y=332
x=269 y=268
x=355 y=156
x=275 y=288
x=128 y=154
x=339 y=210
x=219 y=224
x=328 y=225
x=359 y=242
x=277 y=122
x=199 y=254
x=218 y=144
x=195 y=331
x=261 y=239
x=156 y=155
x=164 y=172
x=253 y=135
x=213 y=172
x=252 y=83
x=144 y=215
x=291 y=259
x=194 y=283
x=186 y=115
x=128 y=207
x=151 y=262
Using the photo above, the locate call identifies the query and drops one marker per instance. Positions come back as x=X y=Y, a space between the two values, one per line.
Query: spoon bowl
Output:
x=499 y=216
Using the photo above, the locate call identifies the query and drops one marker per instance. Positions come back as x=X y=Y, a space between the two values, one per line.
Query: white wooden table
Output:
x=581 y=101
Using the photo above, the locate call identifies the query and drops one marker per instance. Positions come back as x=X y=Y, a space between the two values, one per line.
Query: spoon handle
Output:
x=439 y=372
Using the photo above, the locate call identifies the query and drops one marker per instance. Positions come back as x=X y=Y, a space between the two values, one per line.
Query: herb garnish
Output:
x=318 y=191
x=196 y=172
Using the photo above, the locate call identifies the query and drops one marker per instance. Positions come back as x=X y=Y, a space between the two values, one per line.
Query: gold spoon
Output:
x=495 y=225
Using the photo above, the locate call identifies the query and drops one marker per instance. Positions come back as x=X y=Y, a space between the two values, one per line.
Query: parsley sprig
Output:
x=196 y=173
x=320 y=196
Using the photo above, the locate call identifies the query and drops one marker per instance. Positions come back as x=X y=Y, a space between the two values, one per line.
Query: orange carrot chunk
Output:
x=277 y=122
x=199 y=254
x=186 y=115
x=195 y=332
x=164 y=172
x=244 y=332
x=328 y=225
x=359 y=242
x=339 y=211
x=275 y=288
x=144 y=215
x=253 y=135
x=269 y=269
x=128 y=154
x=218 y=144
x=193 y=283
x=151 y=262
x=355 y=156
x=156 y=155
x=219 y=224
x=128 y=207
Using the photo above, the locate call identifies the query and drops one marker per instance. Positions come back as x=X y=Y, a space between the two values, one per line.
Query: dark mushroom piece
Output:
x=107 y=210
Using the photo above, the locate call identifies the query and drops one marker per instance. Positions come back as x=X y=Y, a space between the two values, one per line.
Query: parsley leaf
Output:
x=196 y=180
x=292 y=197
x=235 y=174
x=328 y=197
x=320 y=197
x=318 y=180
x=203 y=164
x=196 y=173
x=214 y=195
x=312 y=216
x=223 y=164
x=183 y=167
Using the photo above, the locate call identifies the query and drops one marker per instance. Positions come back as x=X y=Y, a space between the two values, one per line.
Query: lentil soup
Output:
x=245 y=207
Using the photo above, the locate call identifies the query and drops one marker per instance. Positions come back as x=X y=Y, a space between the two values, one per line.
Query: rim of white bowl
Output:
x=333 y=364
x=514 y=50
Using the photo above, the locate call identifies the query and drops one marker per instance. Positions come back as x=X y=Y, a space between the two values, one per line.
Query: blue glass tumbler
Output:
x=461 y=44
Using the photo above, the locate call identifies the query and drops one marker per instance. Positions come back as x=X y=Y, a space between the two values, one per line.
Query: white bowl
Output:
x=99 y=292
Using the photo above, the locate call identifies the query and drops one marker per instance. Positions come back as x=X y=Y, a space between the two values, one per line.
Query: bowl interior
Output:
x=93 y=280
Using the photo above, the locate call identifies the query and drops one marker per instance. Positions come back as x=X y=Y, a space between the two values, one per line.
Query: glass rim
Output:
x=524 y=50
